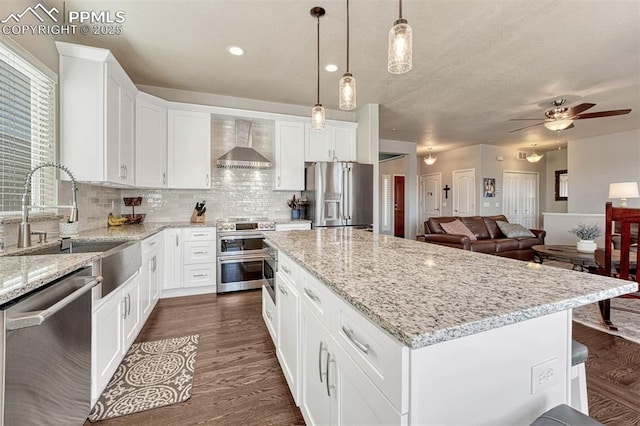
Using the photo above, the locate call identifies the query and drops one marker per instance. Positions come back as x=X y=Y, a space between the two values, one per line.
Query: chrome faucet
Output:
x=24 y=229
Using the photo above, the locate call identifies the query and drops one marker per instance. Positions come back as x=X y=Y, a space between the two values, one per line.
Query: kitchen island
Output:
x=473 y=331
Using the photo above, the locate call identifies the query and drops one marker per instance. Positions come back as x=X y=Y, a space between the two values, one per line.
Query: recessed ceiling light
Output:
x=331 y=68
x=235 y=50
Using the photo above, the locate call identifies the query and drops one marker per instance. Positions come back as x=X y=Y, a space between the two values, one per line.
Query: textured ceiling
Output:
x=477 y=63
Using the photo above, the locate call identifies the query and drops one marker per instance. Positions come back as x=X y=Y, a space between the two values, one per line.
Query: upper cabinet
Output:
x=151 y=141
x=97 y=116
x=189 y=154
x=337 y=140
x=289 y=163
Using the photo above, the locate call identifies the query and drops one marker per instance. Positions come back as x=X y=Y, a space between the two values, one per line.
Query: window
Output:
x=386 y=202
x=27 y=131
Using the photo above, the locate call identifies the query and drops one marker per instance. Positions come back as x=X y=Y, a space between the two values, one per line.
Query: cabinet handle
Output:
x=126 y=171
x=200 y=252
x=268 y=314
x=320 y=359
x=124 y=308
x=153 y=264
x=200 y=275
x=199 y=234
x=329 y=387
x=164 y=178
x=330 y=154
x=129 y=309
x=282 y=290
x=311 y=295
x=284 y=268
x=176 y=240
x=206 y=180
x=362 y=346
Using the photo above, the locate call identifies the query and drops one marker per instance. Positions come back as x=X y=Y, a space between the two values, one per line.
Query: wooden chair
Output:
x=616 y=263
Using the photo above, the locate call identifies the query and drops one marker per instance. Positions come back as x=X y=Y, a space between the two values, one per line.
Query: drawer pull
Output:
x=311 y=295
x=200 y=252
x=282 y=290
x=151 y=244
x=199 y=234
x=362 y=346
x=287 y=270
x=200 y=275
x=268 y=315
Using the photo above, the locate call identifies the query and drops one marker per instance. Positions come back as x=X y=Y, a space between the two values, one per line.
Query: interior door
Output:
x=398 y=206
x=430 y=199
x=464 y=192
x=520 y=198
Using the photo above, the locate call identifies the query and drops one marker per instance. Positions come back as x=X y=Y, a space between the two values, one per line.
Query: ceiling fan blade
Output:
x=578 y=109
x=526 y=127
x=602 y=114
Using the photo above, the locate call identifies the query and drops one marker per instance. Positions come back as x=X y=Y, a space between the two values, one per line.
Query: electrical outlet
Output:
x=444 y=204
x=544 y=375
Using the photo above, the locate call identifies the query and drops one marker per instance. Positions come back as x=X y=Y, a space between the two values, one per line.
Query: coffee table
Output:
x=583 y=262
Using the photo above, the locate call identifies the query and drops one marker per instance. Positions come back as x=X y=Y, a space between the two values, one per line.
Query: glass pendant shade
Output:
x=534 y=158
x=430 y=161
x=347 y=92
x=400 y=47
x=559 y=124
x=317 y=117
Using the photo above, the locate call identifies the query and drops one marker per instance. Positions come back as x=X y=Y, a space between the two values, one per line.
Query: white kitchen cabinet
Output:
x=288 y=308
x=149 y=275
x=131 y=313
x=289 y=162
x=270 y=315
x=151 y=141
x=189 y=149
x=303 y=225
x=97 y=112
x=189 y=261
x=336 y=140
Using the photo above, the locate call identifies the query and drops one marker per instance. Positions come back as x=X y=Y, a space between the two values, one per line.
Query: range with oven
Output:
x=240 y=252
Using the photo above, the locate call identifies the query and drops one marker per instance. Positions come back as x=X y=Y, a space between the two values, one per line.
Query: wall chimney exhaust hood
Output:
x=243 y=156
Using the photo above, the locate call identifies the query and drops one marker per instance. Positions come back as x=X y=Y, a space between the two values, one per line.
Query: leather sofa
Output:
x=490 y=239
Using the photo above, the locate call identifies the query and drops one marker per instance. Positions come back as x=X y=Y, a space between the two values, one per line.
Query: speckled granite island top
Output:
x=425 y=294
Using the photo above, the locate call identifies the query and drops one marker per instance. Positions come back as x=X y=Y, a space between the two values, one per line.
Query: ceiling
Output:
x=476 y=63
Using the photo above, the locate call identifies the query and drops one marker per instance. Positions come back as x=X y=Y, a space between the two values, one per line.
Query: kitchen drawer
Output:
x=269 y=314
x=288 y=269
x=382 y=358
x=317 y=296
x=293 y=226
x=199 y=275
x=199 y=252
x=199 y=234
x=150 y=245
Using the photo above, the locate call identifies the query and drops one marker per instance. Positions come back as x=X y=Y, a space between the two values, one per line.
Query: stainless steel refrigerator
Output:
x=339 y=194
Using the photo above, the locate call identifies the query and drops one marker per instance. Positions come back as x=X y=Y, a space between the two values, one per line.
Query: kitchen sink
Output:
x=75 y=247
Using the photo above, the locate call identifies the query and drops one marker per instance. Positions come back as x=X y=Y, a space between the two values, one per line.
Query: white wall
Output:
x=594 y=163
x=555 y=160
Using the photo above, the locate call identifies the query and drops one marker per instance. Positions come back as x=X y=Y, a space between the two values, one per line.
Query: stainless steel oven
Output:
x=240 y=253
x=269 y=269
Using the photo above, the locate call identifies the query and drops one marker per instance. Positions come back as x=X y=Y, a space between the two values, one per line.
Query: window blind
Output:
x=27 y=131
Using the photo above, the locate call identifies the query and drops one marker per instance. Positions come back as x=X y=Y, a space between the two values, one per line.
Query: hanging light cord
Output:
x=400 y=7
x=347 y=35
x=318 y=50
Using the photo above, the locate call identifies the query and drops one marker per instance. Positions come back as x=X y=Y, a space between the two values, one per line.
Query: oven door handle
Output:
x=236 y=237
x=234 y=259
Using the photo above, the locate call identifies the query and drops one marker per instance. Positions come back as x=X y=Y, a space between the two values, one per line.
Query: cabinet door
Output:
x=154 y=279
x=189 y=154
x=144 y=280
x=172 y=253
x=287 y=335
x=151 y=143
x=107 y=343
x=131 y=314
x=317 y=144
x=315 y=401
x=344 y=143
x=289 y=163
x=114 y=172
x=127 y=135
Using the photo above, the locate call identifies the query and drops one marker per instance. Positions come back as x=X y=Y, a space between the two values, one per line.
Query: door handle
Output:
x=282 y=290
x=329 y=387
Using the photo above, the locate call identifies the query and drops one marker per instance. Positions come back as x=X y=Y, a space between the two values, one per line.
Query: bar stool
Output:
x=579 y=354
x=565 y=416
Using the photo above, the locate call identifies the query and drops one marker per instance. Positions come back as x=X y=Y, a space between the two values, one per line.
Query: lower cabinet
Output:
x=287 y=305
x=150 y=275
x=115 y=325
x=270 y=314
x=294 y=226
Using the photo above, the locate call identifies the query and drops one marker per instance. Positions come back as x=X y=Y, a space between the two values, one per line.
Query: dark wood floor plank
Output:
x=238 y=380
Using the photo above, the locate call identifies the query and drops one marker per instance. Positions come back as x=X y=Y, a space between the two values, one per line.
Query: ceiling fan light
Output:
x=557 y=125
x=347 y=92
x=430 y=161
x=400 y=47
x=317 y=117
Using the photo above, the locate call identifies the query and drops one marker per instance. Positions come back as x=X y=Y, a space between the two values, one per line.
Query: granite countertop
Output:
x=423 y=294
x=20 y=275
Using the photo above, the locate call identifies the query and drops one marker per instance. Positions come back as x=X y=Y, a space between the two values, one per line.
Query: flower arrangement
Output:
x=586 y=232
x=294 y=203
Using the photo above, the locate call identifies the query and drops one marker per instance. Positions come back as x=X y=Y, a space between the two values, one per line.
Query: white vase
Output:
x=586 y=246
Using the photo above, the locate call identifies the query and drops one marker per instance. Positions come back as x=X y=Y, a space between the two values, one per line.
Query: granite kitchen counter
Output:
x=423 y=294
x=20 y=275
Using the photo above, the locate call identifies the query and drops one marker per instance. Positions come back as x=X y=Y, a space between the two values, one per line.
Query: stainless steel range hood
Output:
x=243 y=156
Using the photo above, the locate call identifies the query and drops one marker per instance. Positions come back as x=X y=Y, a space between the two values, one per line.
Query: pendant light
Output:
x=430 y=160
x=317 y=112
x=534 y=158
x=400 y=46
x=347 y=87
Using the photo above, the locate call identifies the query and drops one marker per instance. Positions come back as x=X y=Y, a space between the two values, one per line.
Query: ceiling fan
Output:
x=561 y=117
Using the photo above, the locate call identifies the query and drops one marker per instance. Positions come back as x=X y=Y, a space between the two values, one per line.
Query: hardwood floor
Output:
x=237 y=381
x=613 y=376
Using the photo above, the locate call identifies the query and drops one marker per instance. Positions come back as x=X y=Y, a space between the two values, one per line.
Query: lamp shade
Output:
x=534 y=158
x=558 y=124
x=624 y=190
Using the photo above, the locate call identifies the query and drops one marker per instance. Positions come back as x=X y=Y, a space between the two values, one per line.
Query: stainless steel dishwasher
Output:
x=47 y=362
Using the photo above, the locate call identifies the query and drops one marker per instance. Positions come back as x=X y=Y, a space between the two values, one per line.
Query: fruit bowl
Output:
x=134 y=218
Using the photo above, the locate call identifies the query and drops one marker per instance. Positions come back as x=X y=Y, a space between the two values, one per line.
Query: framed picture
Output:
x=489 y=187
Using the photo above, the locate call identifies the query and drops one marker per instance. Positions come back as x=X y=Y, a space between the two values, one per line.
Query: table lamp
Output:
x=623 y=190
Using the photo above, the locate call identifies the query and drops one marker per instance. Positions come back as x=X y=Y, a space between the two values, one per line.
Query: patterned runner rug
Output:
x=625 y=314
x=151 y=375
